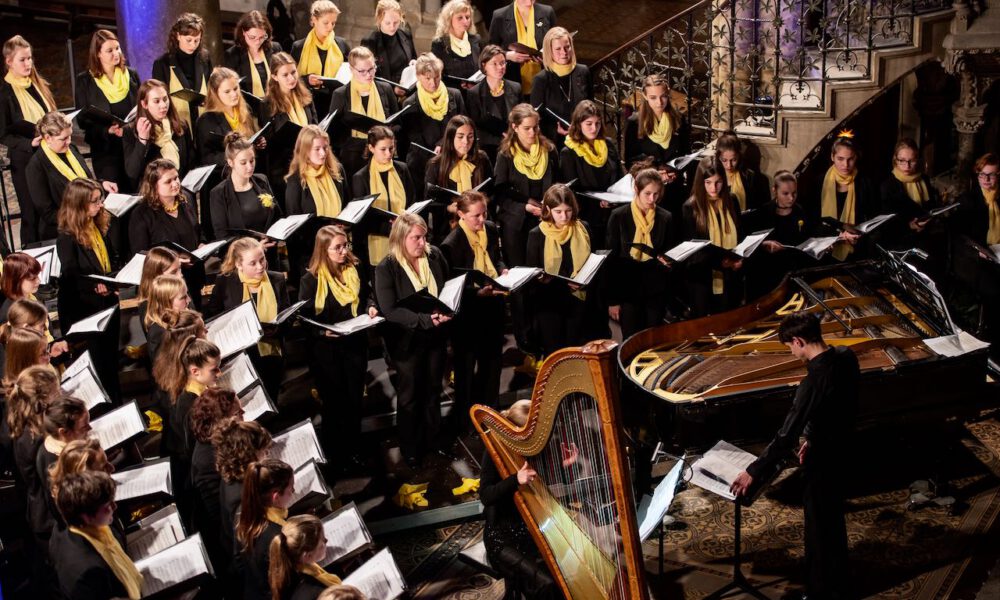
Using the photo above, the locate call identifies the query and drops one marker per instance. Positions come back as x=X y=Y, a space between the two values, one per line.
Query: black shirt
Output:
x=186 y=62
x=255 y=216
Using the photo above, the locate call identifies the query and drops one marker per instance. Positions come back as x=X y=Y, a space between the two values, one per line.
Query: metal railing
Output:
x=738 y=64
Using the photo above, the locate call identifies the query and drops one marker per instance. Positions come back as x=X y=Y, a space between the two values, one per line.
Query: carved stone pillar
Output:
x=968 y=120
x=143 y=26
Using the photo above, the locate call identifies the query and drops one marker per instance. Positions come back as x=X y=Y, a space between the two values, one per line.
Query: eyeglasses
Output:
x=370 y=71
x=255 y=38
x=987 y=176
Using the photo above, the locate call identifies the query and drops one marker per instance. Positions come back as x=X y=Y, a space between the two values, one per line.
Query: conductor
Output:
x=823 y=413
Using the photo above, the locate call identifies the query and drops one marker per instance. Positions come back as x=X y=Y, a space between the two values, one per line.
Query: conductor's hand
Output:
x=741 y=484
x=802 y=451
x=525 y=474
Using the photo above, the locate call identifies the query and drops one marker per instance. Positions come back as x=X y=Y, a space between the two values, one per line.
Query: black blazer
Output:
x=340 y=101
x=138 y=155
x=692 y=232
x=387 y=68
x=299 y=200
x=459 y=253
x=895 y=200
x=536 y=252
x=202 y=69
x=361 y=186
x=866 y=201
x=78 y=297
x=88 y=94
x=25 y=452
x=238 y=59
x=637 y=149
x=230 y=496
x=307 y=588
x=83 y=574
x=424 y=130
x=455 y=65
x=589 y=178
x=490 y=124
x=206 y=479
x=228 y=292
x=228 y=214
x=280 y=147
x=256 y=585
x=757 y=188
x=47 y=186
x=148 y=227
x=321 y=95
x=631 y=278
x=211 y=130
x=10 y=113
x=511 y=188
x=432 y=175
x=333 y=311
x=503 y=31
x=405 y=330
x=549 y=89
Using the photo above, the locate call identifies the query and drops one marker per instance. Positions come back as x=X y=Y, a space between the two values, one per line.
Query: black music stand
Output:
x=739 y=583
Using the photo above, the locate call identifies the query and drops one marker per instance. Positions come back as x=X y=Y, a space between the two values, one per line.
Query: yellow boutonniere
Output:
x=801 y=224
x=266 y=200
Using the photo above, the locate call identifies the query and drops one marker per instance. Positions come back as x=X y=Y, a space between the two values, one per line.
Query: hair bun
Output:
x=232 y=137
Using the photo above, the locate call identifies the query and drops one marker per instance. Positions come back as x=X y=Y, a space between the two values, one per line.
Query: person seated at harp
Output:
x=824 y=410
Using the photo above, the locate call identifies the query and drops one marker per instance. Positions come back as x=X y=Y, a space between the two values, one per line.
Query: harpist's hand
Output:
x=741 y=484
x=526 y=474
x=615 y=312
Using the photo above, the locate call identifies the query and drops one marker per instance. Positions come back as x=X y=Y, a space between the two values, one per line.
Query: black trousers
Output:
x=271 y=368
x=477 y=342
x=419 y=374
x=827 y=567
x=559 y=317
x=29 y=220
x=641 y=313
x=339 y=367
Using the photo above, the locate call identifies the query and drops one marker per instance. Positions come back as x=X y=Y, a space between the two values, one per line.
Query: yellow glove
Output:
x=155 y=422
x=411 y=496
x=468 y=485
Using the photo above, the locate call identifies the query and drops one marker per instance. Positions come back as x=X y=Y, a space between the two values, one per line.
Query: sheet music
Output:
x=956 y=345
x=325 y=123
x=288 y=312
x=751 y=243
x=152 y=478
x=209 y=249
x=308 y=480
x=816 y=246
x=286 y=226
x=118 y=425
x=256 y=403
x=196 y=178
x=684 y=250
x=84 y=385
x=620 y=192
x=869 y=225
x=175 y=565
x=379 y=578
x=235 y=330
x=681 y=162
x=298 y=445
x=156 y=533
x=81 y=363
x=362 y=321
x=355 y=210
x=72 y=115
x=995 y=249
x=716 y=470
x=416 y=207
x=343 y=73
x=119 y=204
x=131 y=273
x=132 y=114
x=345 y=533
x=95 y=323
x=589 y=268
x=408 y=77
x=48 y=258
x=238 y=374
x=518 y=276
x=451 y=293
x=652 y=508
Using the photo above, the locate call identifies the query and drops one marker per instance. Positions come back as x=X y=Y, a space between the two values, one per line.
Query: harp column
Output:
x=143 y=26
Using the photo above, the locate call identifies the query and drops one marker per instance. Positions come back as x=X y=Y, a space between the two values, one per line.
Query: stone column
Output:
x=143 y=27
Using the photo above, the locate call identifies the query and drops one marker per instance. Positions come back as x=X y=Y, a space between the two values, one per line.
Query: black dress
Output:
x=418 y=348
x=47 y=188
x=349 y=149
x=560 y=95
x=490 y=113
x=503 y=31
x=427 y=131
x=898 y=235
x=281 y=143
x=592 y=179
x=559 y=316
x=19 y=152
x=461 y=67
x=210 y=135
x=242 y=210
x=106 y=150
x=258 y=561
x=179 y=445
x=512 y=189
x=321 y=94
x=393 y=53
x=206 y=481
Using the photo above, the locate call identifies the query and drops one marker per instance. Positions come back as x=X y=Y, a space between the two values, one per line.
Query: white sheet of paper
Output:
x=816 y=246
x=255 y=403
x=132 y=114
x=345 y=533
x=343 y=73
x=82 y=363
x=995 y=249
x=131 y=273
x=355 y=210
x=717 y=468
x=196 y=178
x=119 y=204
x=869 y=225
x=379 y=578
x=518 y=276
x=751 y=243
x=451 y=293
x=84 y=385
x=209 y=248
x=298 y=445
x=95 y=323
x=286 y=226
x=416 y=207
x=307 y=480
x=681 y=162
x=408 y=77
x=177 y=564
x=49 y=259
x=956 y=345
x=362 y=321
x=118 y=425
x=235 y=330
x=652 y=508
x=683 y=250
x=238 y=374
x=153 y=478
x=157 y=532
x=589 y=268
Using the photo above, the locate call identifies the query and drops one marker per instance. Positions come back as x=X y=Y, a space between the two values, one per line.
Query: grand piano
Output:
x=727 y=376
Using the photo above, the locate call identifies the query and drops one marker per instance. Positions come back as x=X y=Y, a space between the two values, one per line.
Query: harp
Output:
x=579 y=510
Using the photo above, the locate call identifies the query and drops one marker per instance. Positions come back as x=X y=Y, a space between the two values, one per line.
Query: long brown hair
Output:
x=559 y=193
x=299 y=536
x=161 y=298
x=262 y=480
x=448 y=158
x=34 y=388
x=62 y=413
x=277 y=99
x=236 y=250
x=78 y=456
x=583 y=111
x=93 y=55
x=252 y=20
x=17 y=267
x=151 y=177
x=710 y=167
x=321 y=254
x=303 y=146
x=517 y=115
x=248 y=123
x=647 y=118
x=177 y=126
x=237 y=444
x=73 y=218
x=178 y=326
x=193 y=352
x=158 y=260
x=187 y=24
x=209 y=409
x=41 y=84
x=24 y=346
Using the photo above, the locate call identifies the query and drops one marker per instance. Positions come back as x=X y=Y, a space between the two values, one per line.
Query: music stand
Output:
x=739 y=583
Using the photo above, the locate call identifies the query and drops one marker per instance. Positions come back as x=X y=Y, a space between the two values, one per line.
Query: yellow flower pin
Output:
x=266 y=200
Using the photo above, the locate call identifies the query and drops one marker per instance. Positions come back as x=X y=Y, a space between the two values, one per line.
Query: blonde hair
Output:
x=236 y=250
x=358 y=54
x=78 y=456
x=161 y=297
x=10 y=48
x=53 y=123
x=400 y=229
x=448 y=11
x=303 y=146
x=248 y=124
x=341 y=591
x=428 y=64
x=299 y=536
x=158 y=260
x=387 y=6
x=518 y=412
x=322 y=7
x=556 y=33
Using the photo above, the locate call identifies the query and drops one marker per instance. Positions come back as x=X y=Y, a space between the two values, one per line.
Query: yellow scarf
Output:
x=828 y=205
x=319 y=574
x=993 y=235
x=392 y=199
x=480 y=257
x=579 y=246
x=422 y=277
x=71 y=171
x=914 y=185
x=278 y=516
x=374 y=109
x=30 y=108
x=663 y=130
x=325 y=196
x=643 y=229
x=593 y=153
x=563 y=70
x=434 y=104
x=297 y=114
x=461 y=174
x=53 y=445
x=112 y=553
x=183 y=108
x=526 y=36
x=309 y=61
x=116 y=89
x=736 y=188
x=235 y=120
x=346 y=292
x=267 y=302
x=722 y=233
x=531 y=164
x=462 y=47
x=194 y=387
x=97 y=245
x=165 y=142
x=257 y=86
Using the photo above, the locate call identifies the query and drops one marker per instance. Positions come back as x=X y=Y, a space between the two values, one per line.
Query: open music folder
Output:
x=358 y=323
x=255 y=402
x=118 y=426
x=379 y=578
x=48 y=258
x=155 y=533
x=620 y=192
x=119 y=204
x=238 y=374
x=297 y=445
x=129 y=275
x=178 y=566
x=235 y=330
x=95 y=323
x=346 y=534
x=653 y=508
x=586 y=273
x=80 y=381
x=448 y=300
x=310 y=489
x=148 y=479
